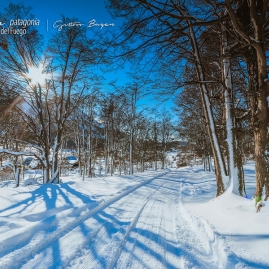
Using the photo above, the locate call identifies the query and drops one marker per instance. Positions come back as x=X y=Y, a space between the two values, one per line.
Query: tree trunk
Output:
x=210 y=164
x=234 y=170
x=221 y=177
x=55 y=154
x=162 y=162
x=17 y=175
x=260 y=132
x=259 y=113
x=79 y=154
x=257 y=22
x=205 y=166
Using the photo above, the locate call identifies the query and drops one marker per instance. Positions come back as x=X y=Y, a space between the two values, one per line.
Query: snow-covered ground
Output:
x=164 y=219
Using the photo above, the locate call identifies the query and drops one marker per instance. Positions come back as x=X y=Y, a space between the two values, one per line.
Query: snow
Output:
x=254 y=40
x=156 y=219
x=245 y=232
x=30 y=181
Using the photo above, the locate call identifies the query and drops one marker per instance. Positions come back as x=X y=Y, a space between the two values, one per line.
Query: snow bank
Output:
x=235 y=220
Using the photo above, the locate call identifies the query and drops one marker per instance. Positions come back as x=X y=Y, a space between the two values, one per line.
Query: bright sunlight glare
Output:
x=36 y=75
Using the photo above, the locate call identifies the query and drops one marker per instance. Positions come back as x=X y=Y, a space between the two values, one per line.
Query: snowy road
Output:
x=146 y=226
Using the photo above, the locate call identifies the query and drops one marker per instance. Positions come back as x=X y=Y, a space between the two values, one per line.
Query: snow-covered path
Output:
x=146 y=226
x=156 y=219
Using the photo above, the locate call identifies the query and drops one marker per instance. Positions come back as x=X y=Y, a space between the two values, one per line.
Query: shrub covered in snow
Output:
x=30 y=181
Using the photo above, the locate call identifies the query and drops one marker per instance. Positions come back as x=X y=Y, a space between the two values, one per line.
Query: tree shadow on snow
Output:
x=47 y=194
x=233 y=260
x=179 y=250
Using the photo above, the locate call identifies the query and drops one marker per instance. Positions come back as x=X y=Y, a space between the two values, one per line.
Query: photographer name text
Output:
x=92 y=23
x=19 y=26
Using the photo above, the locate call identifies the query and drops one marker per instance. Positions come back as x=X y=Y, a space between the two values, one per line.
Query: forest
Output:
x=209 y=56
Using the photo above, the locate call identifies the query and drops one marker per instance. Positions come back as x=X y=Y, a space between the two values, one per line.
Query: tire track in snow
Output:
x=141 y=246
x=34 y=245
x=190 y=244
x=150 y=244
x=128 y=231
x=108 y=253
x=209 y=247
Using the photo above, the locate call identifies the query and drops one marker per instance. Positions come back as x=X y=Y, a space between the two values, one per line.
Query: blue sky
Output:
x=51 y=10
x=84 y=10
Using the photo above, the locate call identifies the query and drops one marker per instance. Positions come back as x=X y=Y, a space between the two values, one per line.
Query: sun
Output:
x=36 y=75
